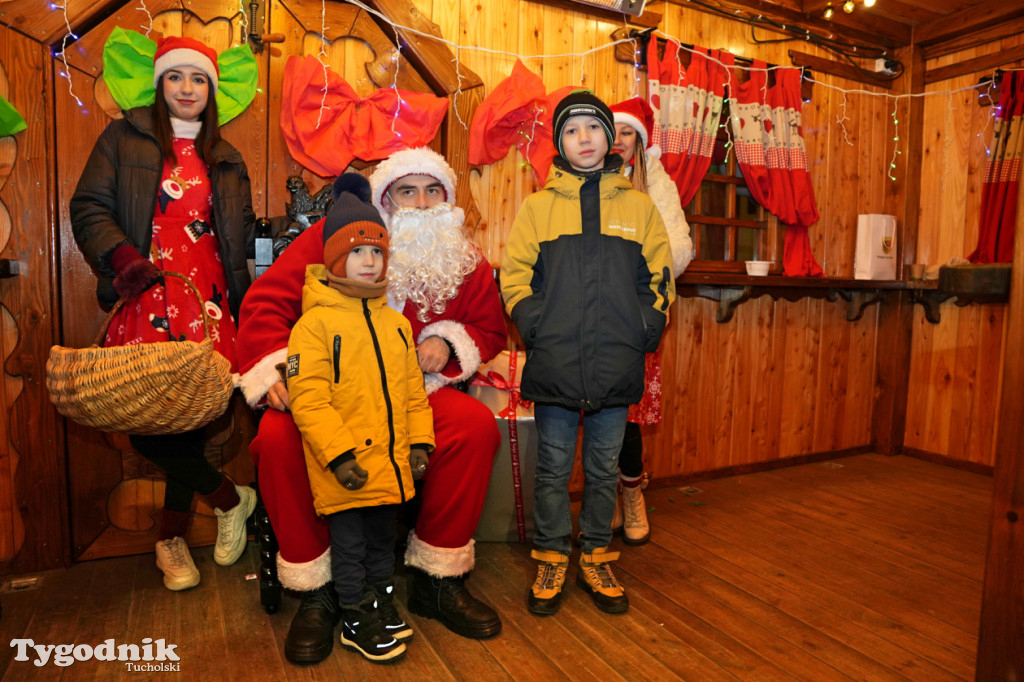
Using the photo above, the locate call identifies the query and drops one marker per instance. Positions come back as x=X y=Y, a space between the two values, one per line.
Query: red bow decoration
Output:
x=516 y=112
x=495 y=380
x=326 y=123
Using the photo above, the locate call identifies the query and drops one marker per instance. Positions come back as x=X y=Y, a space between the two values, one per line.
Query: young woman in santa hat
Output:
x=162 y=191
x=634 y=128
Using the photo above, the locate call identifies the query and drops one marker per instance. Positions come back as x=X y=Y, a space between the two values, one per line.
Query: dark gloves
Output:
x=135 y=274
x=418 y=462
x=350 y=474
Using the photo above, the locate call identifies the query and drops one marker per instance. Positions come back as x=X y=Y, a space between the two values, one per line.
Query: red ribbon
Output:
x=495 y=380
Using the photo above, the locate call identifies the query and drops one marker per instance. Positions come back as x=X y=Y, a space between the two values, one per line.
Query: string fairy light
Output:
x=320 y=58
x=455 y=95
x=396 y=61
x=243 y=22
x=635 y=90
x=149 y=17
x=842 y=122
x=634 y=42
x=63 y=51
x=895 y=138
x=992 y=112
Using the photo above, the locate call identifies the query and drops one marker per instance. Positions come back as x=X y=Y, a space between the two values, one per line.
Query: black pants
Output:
x=362 y=549
x=631 y=457
x=180 y=456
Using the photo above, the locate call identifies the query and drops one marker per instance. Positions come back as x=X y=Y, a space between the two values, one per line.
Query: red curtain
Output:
x=687 y=107
x=1002 y=175
x=768 y=137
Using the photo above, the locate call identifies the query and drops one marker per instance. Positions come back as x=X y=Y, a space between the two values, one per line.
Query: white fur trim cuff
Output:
x=466 y=351
x=257 y=381
x=305 y=577
x=439 y=562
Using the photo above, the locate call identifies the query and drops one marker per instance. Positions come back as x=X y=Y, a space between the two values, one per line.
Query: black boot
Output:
x=363 y=631
x=448 y=600
x=394 y=624
x=311 y=635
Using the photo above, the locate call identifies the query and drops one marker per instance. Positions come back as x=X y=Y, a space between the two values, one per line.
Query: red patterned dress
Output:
x=183 y=242
x=648 y=411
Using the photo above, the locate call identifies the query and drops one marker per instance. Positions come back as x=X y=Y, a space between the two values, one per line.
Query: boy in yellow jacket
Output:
x=587 y=280
x=357 y=396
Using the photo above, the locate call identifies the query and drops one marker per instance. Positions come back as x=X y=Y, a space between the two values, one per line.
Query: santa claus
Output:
x=443 y=284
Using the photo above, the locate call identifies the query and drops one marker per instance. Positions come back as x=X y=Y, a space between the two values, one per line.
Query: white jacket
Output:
x=665 y=195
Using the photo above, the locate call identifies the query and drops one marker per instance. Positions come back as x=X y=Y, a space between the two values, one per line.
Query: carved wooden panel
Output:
x=33 y=511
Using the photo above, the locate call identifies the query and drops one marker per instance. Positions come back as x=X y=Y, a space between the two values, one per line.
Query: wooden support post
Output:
x=1000 y=653
x=896 y=314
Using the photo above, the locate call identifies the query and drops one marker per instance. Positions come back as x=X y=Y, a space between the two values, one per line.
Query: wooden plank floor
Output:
x=864 y=568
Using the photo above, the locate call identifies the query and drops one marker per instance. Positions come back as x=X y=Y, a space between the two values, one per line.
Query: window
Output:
x=727 y=225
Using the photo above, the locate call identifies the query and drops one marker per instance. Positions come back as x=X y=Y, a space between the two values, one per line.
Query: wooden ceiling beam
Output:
x=891 y=10
x=885 y=34
x=968 y=20
x=646 y=20
x=983 y=63
x=972 y=40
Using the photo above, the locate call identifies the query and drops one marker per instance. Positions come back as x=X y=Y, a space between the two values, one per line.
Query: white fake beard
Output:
x=430 y=257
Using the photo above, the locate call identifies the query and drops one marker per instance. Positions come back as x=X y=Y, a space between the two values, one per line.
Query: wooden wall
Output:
x=781 y=380
x=957 y=365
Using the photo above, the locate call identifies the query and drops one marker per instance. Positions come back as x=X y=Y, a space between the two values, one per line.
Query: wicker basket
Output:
x=145 y=389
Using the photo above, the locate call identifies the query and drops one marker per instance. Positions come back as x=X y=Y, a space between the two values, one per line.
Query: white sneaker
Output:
x=636 y=529
x=231 y=535
x=173 y=558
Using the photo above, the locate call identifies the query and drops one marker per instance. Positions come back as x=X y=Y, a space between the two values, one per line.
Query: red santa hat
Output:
x=419 y=161
x=636 y=112
x=178 y=51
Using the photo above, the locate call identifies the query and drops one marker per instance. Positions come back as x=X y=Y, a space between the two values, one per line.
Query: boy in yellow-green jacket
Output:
x=357 y=396
x=587 y=280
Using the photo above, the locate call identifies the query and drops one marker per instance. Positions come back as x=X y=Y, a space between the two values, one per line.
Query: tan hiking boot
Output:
x=595 y=576
x=636 y=530
x=546 y=593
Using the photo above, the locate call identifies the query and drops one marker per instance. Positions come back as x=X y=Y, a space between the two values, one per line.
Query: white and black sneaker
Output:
x=363 y=631
x=394 y=625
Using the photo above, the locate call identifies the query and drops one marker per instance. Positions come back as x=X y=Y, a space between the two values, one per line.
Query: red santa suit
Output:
x=455 y=483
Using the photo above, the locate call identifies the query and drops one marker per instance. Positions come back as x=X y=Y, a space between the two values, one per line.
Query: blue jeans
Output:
x=556 y=450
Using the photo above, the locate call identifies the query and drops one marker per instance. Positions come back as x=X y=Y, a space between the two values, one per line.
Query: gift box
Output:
x=508 y=509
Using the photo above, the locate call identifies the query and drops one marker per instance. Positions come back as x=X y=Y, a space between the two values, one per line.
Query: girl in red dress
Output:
x=162 y=191
x=634 y=123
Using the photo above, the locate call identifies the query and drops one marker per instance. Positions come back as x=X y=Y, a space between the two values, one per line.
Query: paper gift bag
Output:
x=508 y=509
x=875 y=257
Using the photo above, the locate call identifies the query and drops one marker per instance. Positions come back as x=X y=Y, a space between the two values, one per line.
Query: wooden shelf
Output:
x=966 y=283
x=730 y=290
x=974 y=283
